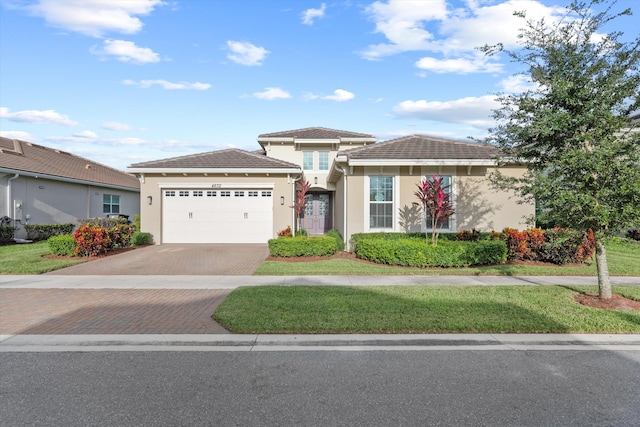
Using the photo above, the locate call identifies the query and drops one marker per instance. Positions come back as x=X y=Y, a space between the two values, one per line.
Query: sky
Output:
x=127 y=81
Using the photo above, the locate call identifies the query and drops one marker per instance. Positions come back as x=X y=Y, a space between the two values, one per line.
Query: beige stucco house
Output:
x=42 y=185
x=357 y=185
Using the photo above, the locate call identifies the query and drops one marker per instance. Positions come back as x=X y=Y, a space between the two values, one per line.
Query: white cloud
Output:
x=459 y=65
x=245 y=53
x=16 y=134
x=516 y=84
x=127 y=51
x=115 y=126
x=340 y=95
x=35 y=116
x=94 y=17
x=168 y=85
x=86 y=134
x=271 y=93
x=474 y=111
x=78 y=138
x=310 y=14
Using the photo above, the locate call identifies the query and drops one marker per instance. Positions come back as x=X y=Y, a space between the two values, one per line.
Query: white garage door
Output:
x=217 y=216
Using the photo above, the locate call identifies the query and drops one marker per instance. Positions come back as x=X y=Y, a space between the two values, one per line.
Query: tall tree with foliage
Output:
x=572 y=128
x=436 y=203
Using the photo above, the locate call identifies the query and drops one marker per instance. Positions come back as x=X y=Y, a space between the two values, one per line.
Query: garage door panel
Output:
x=225 y=216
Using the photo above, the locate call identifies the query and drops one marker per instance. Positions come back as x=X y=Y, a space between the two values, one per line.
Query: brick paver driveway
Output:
x=177 y=259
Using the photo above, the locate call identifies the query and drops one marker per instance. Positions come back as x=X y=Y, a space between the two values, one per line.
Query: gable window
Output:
x=110 y=204
x=323 y=160
x=307 y=160
x=381 y=202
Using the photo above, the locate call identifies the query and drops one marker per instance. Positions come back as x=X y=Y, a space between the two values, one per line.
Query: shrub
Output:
x=286 y=232
x=44 y=231
x=633 y=234
x=416 y=253
x=120 y=235
x=336 y=235
x=563 y=245
x=136 y=222
x=63 y=245
x=140 y=238
x=91 y=240
x=468 y=235
x=303 y=246
x=103 y=222
x=6 y=234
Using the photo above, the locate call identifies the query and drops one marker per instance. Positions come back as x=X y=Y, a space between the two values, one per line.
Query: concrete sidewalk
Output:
x=232 y=282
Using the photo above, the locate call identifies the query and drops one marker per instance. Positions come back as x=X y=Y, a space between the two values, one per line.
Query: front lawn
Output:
x=29 y=259
x=623 y=257
x=420 y=309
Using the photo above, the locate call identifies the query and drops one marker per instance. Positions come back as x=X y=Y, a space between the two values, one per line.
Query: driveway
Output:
x=177 y=259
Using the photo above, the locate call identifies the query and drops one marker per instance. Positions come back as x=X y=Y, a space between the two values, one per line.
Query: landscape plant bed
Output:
x=424 y=309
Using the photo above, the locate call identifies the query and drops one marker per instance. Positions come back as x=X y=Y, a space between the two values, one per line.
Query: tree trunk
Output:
x=604 y=283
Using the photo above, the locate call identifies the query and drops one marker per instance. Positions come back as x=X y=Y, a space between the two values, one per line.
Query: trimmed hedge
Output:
x=140 y=238
x=44 y=231
x=303 y=246
x=63 y=244
x=417 y=253
x=6 y=233
x=336 y=235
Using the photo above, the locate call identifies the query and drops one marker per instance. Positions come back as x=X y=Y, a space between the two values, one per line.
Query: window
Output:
x=170 y=193
x=183 y=193
x=323 y=160
x=307 y=160
x=197 y=193
x=266 y=194
x=446 y=224
x=381 y=202
x=253 y=193
x=225 y=194
x=238 y=193
x=110 y=204
x=212 y=193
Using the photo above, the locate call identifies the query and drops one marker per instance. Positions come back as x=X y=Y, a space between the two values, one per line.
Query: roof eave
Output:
x=70 y=180
x=420 y=162
x=213 y=170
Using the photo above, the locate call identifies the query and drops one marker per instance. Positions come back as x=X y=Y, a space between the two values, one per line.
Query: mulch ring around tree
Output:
x=616 y=302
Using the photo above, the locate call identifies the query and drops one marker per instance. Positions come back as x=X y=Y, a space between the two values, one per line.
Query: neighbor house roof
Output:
x=315 y=133
x=36 y=160
x=232 y=159
x=420 y=147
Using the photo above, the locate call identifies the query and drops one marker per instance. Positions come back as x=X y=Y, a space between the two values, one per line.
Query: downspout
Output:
x=16 y=176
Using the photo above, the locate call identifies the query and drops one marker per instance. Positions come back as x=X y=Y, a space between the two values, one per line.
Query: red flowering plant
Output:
x=91 y=240
x=436 y=203
x=302 y=187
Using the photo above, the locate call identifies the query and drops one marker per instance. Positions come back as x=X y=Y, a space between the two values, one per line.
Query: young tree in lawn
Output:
x=302 y=187
x=436 y=204
x=572 y=128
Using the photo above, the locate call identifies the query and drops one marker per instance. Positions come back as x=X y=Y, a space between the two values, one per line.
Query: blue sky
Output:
x=125 y=81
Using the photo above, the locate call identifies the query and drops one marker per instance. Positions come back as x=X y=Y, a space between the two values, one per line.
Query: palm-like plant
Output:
x=436 y=203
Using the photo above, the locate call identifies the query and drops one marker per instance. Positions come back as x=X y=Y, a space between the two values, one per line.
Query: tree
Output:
x=302 y=187
x=572 y=129
x=436 y=204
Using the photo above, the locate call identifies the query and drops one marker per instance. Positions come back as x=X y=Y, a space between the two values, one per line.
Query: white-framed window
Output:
x=323 y=160
x=307 y=160
x=252 y=193
x=183 y=193
x=225 y=194
x=170 y=193
x=212 y=193
x=266 y=194
x=197 y=193
x=381 y=202
x=238 y=193
x=110 y=204
x=447 y=224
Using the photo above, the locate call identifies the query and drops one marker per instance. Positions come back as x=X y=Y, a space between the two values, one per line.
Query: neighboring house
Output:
x=357 y=185
x=41 y=185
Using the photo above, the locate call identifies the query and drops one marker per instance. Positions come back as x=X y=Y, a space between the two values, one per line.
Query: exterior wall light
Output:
x=149 y=200
x=315 y=180
x=282 y=200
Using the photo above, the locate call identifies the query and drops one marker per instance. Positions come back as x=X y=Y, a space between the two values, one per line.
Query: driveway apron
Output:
x=177 y=259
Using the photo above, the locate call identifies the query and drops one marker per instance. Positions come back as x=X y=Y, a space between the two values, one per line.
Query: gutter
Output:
x=72 y=180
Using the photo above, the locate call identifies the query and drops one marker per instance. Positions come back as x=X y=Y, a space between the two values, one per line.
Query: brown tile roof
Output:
x=422 y=147
x=232 y=158
x=315 y=133
x=17 y=155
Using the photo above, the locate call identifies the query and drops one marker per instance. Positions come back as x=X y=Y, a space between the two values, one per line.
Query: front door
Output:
x=317 y=213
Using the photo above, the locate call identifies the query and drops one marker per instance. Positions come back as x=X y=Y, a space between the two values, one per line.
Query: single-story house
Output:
x=357 y=185
x=41 y=185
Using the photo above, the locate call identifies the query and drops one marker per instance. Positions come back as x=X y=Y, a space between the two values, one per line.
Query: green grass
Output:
x=623 y=257
x=28 y=259
x=420 y=309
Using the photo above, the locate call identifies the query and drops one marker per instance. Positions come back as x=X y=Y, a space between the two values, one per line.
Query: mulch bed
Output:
x=616 y=302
